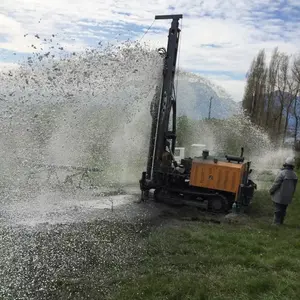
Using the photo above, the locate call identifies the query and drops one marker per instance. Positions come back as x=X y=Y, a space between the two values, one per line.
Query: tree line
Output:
x=272 y=95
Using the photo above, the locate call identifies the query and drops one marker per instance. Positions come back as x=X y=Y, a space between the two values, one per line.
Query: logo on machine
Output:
x=210 y=177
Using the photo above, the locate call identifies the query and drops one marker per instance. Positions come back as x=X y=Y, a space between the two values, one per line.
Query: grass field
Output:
x=196 y=260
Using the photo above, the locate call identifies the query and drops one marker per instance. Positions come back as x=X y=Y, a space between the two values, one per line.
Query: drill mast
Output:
x=163 y=134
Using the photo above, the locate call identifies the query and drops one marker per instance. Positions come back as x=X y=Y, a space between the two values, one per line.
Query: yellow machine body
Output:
x=222 y=176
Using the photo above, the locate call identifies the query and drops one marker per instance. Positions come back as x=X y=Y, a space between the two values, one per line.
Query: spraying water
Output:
x=92 y=110
x=66 y=111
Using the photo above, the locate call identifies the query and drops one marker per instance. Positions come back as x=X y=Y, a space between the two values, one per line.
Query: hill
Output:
x=193 y=97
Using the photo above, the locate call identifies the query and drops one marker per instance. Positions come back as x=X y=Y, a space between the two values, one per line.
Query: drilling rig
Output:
x=208 y=182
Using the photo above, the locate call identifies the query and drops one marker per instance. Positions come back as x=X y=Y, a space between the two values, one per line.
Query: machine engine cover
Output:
x=222 y=176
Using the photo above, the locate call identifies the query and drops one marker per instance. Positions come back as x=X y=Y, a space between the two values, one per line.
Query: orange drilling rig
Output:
x=217 y=184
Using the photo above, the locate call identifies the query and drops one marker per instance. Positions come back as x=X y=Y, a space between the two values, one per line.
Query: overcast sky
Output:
x=219 y=37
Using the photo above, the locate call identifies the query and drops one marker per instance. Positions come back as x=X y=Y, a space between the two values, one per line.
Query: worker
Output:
x=283 y=189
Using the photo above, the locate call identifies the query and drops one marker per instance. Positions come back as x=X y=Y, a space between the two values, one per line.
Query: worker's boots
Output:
x=279 y=214
x=278 y=218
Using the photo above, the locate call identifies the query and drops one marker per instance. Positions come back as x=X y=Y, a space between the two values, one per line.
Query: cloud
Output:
x=235 y=30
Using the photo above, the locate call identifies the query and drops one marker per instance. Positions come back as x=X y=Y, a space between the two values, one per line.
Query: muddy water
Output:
x=61 y=207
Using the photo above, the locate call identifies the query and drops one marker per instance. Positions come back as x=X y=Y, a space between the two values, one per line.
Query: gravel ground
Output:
x=70 y=246
x=76 y=245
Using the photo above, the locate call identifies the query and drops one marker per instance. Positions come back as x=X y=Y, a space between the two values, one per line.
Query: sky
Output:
x=219 y=38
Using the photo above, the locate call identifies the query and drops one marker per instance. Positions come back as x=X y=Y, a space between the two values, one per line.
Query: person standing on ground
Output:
x=283 y=189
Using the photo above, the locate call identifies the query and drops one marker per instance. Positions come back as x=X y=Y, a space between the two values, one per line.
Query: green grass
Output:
x=196 y=260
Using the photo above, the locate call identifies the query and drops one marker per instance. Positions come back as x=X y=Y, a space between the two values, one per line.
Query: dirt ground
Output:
x=66 y=245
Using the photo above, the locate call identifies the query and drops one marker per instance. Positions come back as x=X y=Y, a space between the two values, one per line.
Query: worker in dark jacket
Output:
x=283 y=189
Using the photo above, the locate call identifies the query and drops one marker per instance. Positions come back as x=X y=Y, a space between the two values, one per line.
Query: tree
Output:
x=296 y=112
x=253 y=101
x=271 y=93
x=282 y=88
x=183 y=130
x=293 y=90
x=271 y=83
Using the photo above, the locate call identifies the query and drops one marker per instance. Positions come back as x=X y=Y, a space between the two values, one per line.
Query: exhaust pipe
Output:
x=242 y=151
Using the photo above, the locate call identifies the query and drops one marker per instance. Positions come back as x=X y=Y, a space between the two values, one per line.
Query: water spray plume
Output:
x=76 y=110
x=93 y=110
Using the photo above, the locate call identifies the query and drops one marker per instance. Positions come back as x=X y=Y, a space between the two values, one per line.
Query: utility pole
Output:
x=209 y=111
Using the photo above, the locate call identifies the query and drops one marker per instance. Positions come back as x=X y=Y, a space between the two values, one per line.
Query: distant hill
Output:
x=193 y=97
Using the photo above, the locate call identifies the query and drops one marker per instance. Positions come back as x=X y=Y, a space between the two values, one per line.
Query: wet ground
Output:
x=64 y=207
x=71 y=245
x=75 y=244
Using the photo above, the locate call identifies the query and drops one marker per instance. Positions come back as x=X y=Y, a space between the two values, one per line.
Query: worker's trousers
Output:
x=280 y=212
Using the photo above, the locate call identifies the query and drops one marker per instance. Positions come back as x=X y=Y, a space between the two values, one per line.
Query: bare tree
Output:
x=293 y=90
x=296 y=111
x=253 y=101
x=249 y=89
x=297 y=119
x=282 y=89
x=271 y=93
x=271 y=84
